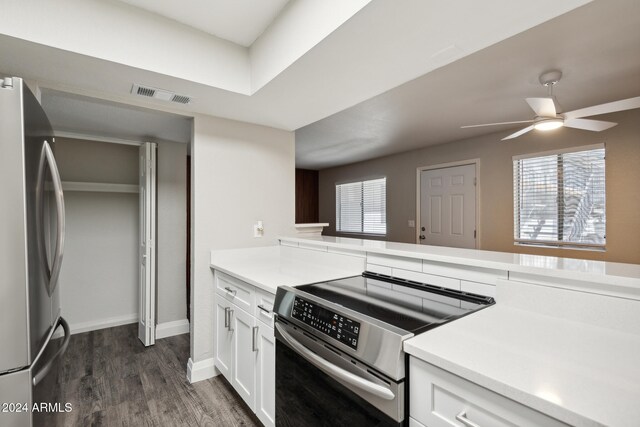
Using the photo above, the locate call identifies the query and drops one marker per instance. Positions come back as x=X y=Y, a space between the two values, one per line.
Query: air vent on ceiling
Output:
x=181 y=99
x=145 y=91
x=161 y=94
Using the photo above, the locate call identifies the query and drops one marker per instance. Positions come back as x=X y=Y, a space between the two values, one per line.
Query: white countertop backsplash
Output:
x=625 y=276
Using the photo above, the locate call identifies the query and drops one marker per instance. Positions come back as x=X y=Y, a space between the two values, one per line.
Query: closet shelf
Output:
x=100 y=187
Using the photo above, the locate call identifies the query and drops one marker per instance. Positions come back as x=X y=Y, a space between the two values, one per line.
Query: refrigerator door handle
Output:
x=54 y=273
x=47 y=366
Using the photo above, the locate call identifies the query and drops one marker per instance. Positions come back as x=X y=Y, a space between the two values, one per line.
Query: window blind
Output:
x=559 y=199
x=361 y=207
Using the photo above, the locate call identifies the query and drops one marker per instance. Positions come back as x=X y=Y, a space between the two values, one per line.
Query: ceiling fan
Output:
x=548 y=118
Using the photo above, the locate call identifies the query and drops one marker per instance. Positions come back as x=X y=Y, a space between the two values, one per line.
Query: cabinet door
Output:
x=223 y=337
x=438 y=398
x=244 y=355
x=266 y=376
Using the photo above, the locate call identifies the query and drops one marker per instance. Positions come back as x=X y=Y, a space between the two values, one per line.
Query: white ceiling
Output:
x=596 y=46
x=383 y=45
x=239 y=21
x=90 y=116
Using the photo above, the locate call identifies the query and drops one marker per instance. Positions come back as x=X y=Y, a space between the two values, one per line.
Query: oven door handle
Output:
x=333 y=370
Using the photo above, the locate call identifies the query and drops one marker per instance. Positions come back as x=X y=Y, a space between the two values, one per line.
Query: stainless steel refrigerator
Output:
x=31 y=251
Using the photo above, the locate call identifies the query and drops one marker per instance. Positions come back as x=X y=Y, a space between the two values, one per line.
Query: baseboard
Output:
x=78 y=328
x=169 y=329
x=202 y=370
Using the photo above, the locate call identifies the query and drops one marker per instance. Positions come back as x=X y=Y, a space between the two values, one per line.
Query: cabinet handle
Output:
x=229 y=328
x=462 y=417
x=261 y=307
x=226 y=317
x=254 y=338
x=229 y=290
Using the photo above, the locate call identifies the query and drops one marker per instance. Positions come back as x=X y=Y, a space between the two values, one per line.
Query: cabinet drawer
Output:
x=264 y=307
x=441 y=399
x=234 y=290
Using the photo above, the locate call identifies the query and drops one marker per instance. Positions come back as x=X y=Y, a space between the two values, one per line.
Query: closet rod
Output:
x=99 y=187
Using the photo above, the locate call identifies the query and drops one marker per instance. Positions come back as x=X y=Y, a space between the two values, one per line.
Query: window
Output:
x=559 y=198
x=361 y=207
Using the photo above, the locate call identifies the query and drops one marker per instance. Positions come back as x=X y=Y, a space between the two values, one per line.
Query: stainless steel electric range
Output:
x=339 y=357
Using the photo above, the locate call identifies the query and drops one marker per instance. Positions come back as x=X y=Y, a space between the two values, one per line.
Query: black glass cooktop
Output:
x=411 y=306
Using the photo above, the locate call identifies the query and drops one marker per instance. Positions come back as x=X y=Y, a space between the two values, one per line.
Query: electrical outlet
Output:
x=412 y=223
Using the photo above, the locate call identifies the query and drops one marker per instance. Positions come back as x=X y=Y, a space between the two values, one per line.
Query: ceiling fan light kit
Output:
x=547 y=118
x=548 y=124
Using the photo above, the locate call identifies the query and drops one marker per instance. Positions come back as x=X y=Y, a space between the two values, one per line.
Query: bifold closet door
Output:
x=147 y=312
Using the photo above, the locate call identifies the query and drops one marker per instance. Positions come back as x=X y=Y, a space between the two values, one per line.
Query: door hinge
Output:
x=475 y=233
x=475 y=181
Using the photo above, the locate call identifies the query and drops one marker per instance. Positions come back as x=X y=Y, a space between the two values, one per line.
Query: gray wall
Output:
x=172 y=231
x=496 y=188
x=99 y=277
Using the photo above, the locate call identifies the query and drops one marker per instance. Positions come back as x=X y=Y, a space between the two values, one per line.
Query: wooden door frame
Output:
x=421 y=169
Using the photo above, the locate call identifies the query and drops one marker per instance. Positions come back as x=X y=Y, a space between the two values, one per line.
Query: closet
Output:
x=100 y=275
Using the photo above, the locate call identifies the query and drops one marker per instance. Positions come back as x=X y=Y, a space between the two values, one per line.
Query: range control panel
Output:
x=326 y=321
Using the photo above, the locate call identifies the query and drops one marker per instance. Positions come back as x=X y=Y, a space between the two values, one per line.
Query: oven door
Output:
x=318 y=385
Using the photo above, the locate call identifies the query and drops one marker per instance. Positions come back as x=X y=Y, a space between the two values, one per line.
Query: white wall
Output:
x=172 y=232
x=240 y=173
x=120 y=33
x=300 y=26
x=99 y=276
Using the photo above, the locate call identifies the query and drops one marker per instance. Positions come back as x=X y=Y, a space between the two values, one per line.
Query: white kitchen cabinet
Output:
x=223 y=337
x=266 y=376
x=236 y=291
x=264 y=307
x=245 y=343
x=244 y=356
x=441 y=399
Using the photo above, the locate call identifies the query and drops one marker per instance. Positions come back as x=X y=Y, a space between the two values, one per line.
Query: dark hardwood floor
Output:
x=111 y=379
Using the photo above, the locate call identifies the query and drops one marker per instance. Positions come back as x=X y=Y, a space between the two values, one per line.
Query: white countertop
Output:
x=272 y=266
x=568 y=353
x=610 y=273
x=576 y=371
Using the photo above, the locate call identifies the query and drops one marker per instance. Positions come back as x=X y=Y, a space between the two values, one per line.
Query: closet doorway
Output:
x=98 y=147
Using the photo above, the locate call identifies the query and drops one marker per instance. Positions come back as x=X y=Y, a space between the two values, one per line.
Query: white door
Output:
x=266 y=376
x=244 y=355
x=448 y=206
x=147 y=311
x=223 y=337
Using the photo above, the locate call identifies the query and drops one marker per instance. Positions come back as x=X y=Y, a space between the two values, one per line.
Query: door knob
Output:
x=422 y=237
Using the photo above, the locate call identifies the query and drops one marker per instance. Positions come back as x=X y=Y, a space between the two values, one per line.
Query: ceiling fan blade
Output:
x=589 y=124
x=609 y=107
x=496 y=124
x=520 y=132
x=544 y=107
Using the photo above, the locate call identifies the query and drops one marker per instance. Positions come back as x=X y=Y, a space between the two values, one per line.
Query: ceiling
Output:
x=239 y=21
x=81 y=115
x=325 y=57
x=600 y=62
